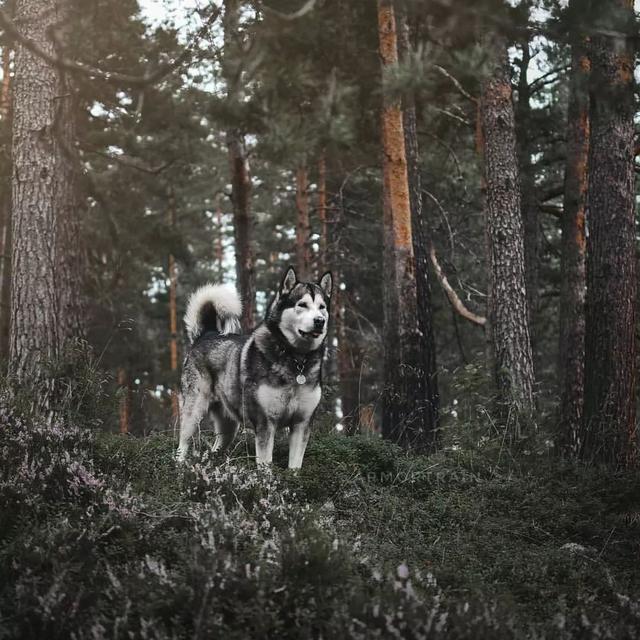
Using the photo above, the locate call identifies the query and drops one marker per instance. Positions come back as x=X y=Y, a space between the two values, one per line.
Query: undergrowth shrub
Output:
x=108 y=538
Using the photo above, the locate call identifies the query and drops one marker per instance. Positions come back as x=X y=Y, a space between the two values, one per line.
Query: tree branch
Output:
x=306 y=8
x=112 y=77
x=551 y=193
x=133 y=163
x=552 y=209
x=456 y=83
x=454 y=299
x=546 y=78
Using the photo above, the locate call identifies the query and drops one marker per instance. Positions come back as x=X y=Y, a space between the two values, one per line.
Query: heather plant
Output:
x=105 y=537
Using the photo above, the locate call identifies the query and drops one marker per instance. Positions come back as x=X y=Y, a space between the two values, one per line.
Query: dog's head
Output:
x=300 y=311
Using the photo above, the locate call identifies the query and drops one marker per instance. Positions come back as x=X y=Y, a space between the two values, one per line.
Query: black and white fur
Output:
x=266 y=380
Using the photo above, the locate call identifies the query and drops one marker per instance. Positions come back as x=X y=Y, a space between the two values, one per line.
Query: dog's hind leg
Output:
x=225 y=429
x=194 y=408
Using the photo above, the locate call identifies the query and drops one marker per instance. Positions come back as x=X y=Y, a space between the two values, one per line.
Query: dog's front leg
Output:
x=265 y=435
x=298 y=438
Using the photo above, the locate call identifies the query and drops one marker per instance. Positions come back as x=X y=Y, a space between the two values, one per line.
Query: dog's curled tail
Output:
x=213 y=307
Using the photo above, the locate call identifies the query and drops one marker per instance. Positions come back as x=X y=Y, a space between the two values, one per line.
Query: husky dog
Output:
x=266 y=380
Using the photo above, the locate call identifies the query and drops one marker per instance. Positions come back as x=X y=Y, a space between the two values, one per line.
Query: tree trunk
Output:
x=240 y=174
x=173 y=312
x=529 y=203
x=218 y=245
x=573 y=269
x=35 y=335
x=322 y=212
x=242 y=226
x=70 y=256
x=507 y=306
x=425 y=340
x=5 y=209
x=347 y=372
x=610 y=368
x=303 y=253
x=404 y=399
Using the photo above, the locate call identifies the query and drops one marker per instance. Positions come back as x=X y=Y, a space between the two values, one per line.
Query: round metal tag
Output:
x=300 y=379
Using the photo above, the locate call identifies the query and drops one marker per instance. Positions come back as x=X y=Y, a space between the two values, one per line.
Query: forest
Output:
x=448 y=188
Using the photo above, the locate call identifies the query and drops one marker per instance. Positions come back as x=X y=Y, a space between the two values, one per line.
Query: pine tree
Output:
x=425 y=343
x=70 y=201
x=507 y=308
x=404 y=401
x=5 y=203
x=239 y=166
x=610 y=365
x=573 y=271
x=303 y=250
x=529 y=202
x=35 y=338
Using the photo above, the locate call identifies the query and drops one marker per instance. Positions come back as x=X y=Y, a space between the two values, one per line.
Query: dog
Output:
x=267 y=380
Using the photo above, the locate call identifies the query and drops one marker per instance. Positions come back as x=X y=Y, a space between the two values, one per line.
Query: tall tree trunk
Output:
x=610 y=367
x=322 y=211
x=5 y=208
x=334 y=262
x=173 y=312
x=529 y=203
x=573 y=268
x=70 y=255
x=218 y=246
x=303 y=252
x=242 y=226
x=5 y=89
x=240 y=174
x=425 y=340
x=404 y=398
x=347 y=372
x=508 y=310
x=35 y=336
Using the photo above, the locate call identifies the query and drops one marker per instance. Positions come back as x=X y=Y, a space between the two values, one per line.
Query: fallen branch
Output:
x=454 y=299
x=113 y=77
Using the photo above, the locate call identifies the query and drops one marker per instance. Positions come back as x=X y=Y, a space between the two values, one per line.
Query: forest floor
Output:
x=105 y=537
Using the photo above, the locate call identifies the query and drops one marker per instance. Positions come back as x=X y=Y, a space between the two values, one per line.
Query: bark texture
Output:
x=404 y=400
x=34 y=308
x=529 y=203
x=508 y=309
x=427 y=371
x=5 y=210
x=573 y=267
x=70 y=253
x=610 y=434
x=322 y=212
x=303 y=250
x=242 y=226
x=240 y=173
x=173 y=311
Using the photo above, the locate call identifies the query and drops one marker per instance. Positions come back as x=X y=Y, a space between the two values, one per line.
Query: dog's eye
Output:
x=322 y=307
x=303 y=305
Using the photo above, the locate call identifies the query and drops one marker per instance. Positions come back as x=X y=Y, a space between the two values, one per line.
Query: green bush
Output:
x=108 y=538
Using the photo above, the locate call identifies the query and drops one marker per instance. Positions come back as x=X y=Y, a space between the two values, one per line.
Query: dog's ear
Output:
x=326 y=283
x=289 y=281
